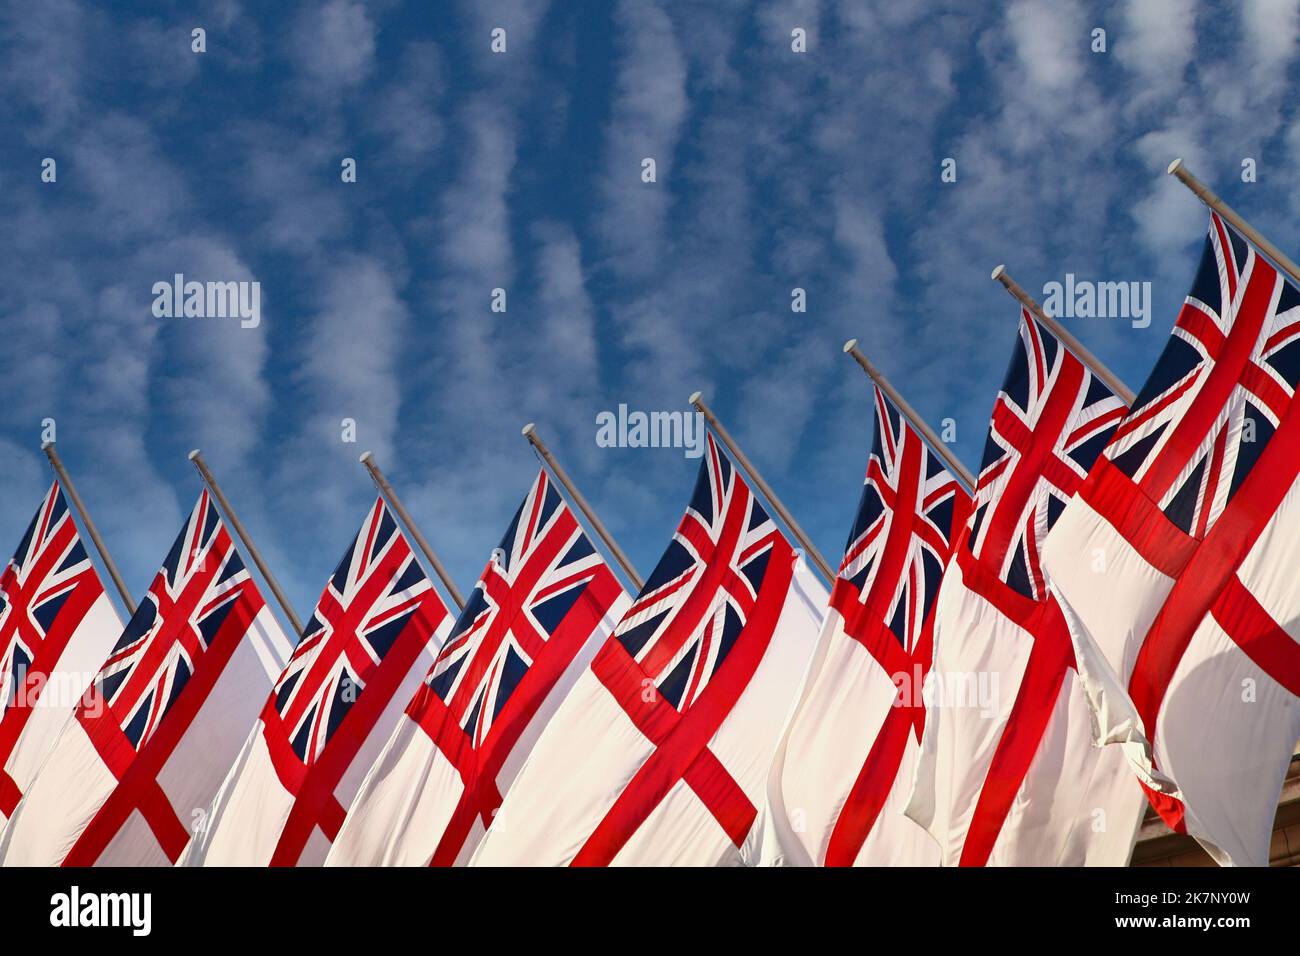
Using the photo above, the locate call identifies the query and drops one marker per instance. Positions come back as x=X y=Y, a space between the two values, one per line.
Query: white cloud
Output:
x=519 y=18
x=1167 y=219
x=647 y=113
x=1156 y=41
x=23 y=479
x=44 y=50
x=777 y=19
x=350 y=353
x=209 y=374
x=475 y=248
x=405 y=113
x=1050 y=40
x=568 y=322
x=1270 y=29
x=333 y=46
x=133 y=189
x=162 y=55
x=299 y=210
x=860 y=233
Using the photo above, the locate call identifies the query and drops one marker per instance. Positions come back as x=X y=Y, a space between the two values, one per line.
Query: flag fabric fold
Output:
x=543 y=605
x=660 y=752
x=376 y=626
x=1008 y=773
x=57 y=626
x=1175 y=562
x=147 y=747
x=842 y=772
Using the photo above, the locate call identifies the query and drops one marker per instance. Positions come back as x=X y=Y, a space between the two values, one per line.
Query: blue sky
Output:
x=522 y=171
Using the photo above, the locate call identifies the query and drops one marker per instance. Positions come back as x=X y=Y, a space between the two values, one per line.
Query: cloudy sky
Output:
x=522 y=171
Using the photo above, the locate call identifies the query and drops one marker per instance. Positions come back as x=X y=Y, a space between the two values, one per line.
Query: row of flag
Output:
x=1007 y=674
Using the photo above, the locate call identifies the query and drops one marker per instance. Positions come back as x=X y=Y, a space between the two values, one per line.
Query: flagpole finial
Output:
x=1030 y=306
x=1206 y=195
x=386 y=493
x=756 y=480
x=695 y=397
x=998 y=269
x=57 y=464
x=529 y=431
x=211 y=486
x=1173 y=167
x=882 y=385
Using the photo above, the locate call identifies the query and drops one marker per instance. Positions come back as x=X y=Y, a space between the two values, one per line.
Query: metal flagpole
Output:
x=952 y=461
x=1207 y=196
x=530 y=432
x=1064 y=334
x=66 y=481
x=809 y=548
x=272 y=583
x=395 y=503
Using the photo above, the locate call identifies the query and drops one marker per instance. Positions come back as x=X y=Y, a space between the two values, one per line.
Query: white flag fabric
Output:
x=146 y=750
x=544 y=604
x=1008 y=773
x=660 y=753
x=1176 y=561
x=56 y=627
x=843 y=770
x=376 y=628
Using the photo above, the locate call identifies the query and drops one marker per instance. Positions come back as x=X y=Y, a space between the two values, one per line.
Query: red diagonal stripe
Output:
x=870 y=789
x=1253 y=629
x=137 y=772
x=1040 y=685
x=679 y=746
x=313 y=786
x=9 y=794
x=479 y=767
x=1266 y=391
x=681 y=739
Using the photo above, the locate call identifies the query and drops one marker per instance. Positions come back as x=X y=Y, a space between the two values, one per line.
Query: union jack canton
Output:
x=47 y=591
x=910 y=500
x=1051 y=419
x=376 y=589
x=1236 y=317
x=200 y=583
